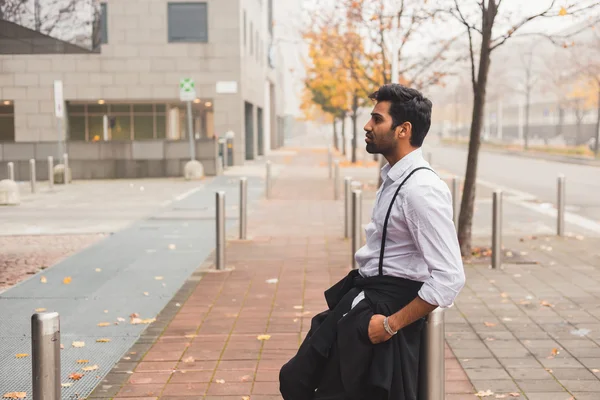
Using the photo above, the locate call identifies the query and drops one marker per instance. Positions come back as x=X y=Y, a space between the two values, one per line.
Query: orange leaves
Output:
x=75 y=376
x=15 y=395
x=562 y=12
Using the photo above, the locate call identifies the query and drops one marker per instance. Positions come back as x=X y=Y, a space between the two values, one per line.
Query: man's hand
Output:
x=377 y=333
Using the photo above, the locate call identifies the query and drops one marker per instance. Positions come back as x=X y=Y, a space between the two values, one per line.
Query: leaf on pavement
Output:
x=75 y=376
x=245 y=378
x=102 y=324
x=78 y=344
x=43 y=279
x=500 y=396
x=298 y=307
x=82 y=361
x=562 y=12
x=524 y=302
x=15 y=395
x=504 y=295
x=90 y=368
x=189 y=360
x=595 y=370
x=171 y=247
x=67 y=384
x=273 y=280
x=220 y=380
x=158 y=278
x=245 y=397
x=22 y=355
x=489 y=324
x=102 y=340
x=546 y=304
x=263 y=337
x=555 y=352
x=146 y=294
x=67 y=280
x=62 y=346
x=487 y=393
x=98 y=270
x=40 y=309
x=120 y=319
x=515 y=394
x=191 y=336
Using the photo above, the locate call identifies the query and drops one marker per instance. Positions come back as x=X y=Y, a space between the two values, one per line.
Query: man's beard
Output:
x=372 y=148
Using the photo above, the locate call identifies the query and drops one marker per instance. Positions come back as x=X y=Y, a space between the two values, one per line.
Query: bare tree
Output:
x=479 y=25
x=530 y=79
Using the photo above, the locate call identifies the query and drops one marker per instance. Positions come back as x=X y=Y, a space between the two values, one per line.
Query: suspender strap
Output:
x=387 y=216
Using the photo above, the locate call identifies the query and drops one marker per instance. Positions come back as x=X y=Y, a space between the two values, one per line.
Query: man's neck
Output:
x=394 y=158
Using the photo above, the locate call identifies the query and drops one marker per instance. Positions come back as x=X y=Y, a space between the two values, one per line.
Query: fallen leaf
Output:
x=263 y=337
x=546 y=304
x=490 y=339
x=489 y=324
x=22 y=355
x=579 y=237
x=103 y=340
x=67 y=280
x=171 y=247
x=40 y=309
x=126 y=358
x=555 y=351
x=245 y=397
x=548 y=369
x=274 y=280
x=75 y=376
x=298 y=307
x=98 y=270
x=158 y=278
x=148 y=320
x=78 y=344
x=102 y=324
x=595 y=370
x=524 y=302
x=43 y=279
x=133 y=352
x=189 y=360
x=190 y=336
x=517 y=275
x=487 y=393
x=245 y=378
x=562 y=12
x=121 y=319
x=515 y=394
x=105 y=311
x=82 y=361
x=506 y=319
x=134 y=315
x=177 y=305
x=295 y=319
x=503 y=295
x=68 y=384
x=146 y=294
x=15 y=395
x=90 y=368
x=219 y=380
x=62 y=346
x=500 y=396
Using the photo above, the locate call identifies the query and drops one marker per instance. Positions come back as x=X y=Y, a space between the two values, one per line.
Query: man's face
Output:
x=380 y=136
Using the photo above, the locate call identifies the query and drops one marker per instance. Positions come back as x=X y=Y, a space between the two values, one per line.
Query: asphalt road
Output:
x=531 y=179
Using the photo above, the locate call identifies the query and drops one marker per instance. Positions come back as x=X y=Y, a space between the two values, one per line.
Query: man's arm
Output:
x=418 y=308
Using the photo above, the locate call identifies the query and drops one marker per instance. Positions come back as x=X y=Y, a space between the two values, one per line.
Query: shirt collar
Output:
x=395 y=172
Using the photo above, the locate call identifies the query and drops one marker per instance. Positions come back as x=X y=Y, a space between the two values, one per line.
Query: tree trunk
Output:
x=354 y=130
x=527 y=107
x=343 y=117
x=596 y=144
x=335 y=134
x=561 y=117
x=465 y=221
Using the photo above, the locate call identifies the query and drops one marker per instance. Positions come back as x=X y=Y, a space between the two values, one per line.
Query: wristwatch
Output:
x=387 y=328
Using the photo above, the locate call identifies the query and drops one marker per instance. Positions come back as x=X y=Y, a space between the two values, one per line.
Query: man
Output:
x=367 y=344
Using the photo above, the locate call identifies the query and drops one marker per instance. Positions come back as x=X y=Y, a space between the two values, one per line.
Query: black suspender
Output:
x=387 y=216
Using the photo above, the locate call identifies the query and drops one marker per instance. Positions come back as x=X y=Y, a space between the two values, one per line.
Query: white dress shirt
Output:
x=421 y=243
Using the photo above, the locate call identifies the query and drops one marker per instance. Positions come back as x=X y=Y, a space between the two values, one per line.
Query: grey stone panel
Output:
x=148 y=150
x=84 y=151
x=18 y=151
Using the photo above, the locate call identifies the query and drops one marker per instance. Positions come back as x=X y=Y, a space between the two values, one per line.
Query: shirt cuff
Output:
x=437 y=295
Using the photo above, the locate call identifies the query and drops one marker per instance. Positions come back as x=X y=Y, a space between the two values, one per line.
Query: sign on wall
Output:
x=187 y=89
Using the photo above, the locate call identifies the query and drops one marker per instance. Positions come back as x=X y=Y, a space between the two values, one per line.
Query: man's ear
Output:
x=404 y=130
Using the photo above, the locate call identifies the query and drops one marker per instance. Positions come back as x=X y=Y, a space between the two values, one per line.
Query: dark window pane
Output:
x=120 y=108
x=188 y=22
x=161 y=126
x=76 y=108
x=161 y=108
x=121 y=127
x=142 y=108
x=143 y=127
x=77 y=128
x=96 y=128
x=7 y=129
x=97 y=108
x=104 y=23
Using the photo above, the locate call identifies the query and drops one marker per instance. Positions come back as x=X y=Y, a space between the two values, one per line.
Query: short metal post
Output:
x=432 y=358
x=560 y=206
x=268 y=181
x=336 y=180
x=66 y=171
x=347 y=206
x=243 y=207
x=225 y=155
x=32 y=175
x=51 y=172
x=356 y=224
x=455 y=200
x=220 y=251
x=497 y=229
x=45 y=353
x=11 y=171
x=330 y=162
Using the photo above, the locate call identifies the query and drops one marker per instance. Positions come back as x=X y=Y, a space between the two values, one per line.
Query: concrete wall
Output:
x=138 y=63
x=109 y=160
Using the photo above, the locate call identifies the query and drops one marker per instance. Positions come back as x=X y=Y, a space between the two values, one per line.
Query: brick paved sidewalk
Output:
x=233 y=330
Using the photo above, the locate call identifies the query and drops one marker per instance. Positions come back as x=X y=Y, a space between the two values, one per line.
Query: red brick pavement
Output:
x=211 y=349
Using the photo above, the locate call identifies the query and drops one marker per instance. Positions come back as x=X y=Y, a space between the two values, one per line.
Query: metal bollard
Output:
x=32 y=175
x=356 y=224
x=225 y=156
x=243 y=207
x=220 y=251
x=336 y=180
x=268 y=181
x=455 y=203
x=45 y=353
x=66 y=171
x=432 y=360
x=347 y=206
x=497 y=229
x=560 y=206
x=330 y=162
x=11 y=171
x=51 y=172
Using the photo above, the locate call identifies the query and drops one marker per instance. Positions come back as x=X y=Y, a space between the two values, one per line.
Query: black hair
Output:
x=407 y=105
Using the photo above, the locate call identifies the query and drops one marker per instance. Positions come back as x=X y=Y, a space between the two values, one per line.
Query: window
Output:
x=103 y=23
x=245 y=34
x=188 y=22
x=7 y=121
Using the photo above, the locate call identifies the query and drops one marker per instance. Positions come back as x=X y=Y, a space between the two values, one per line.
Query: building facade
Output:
x=123 y=114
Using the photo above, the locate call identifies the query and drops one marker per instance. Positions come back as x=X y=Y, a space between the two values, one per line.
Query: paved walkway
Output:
x=231 y=331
